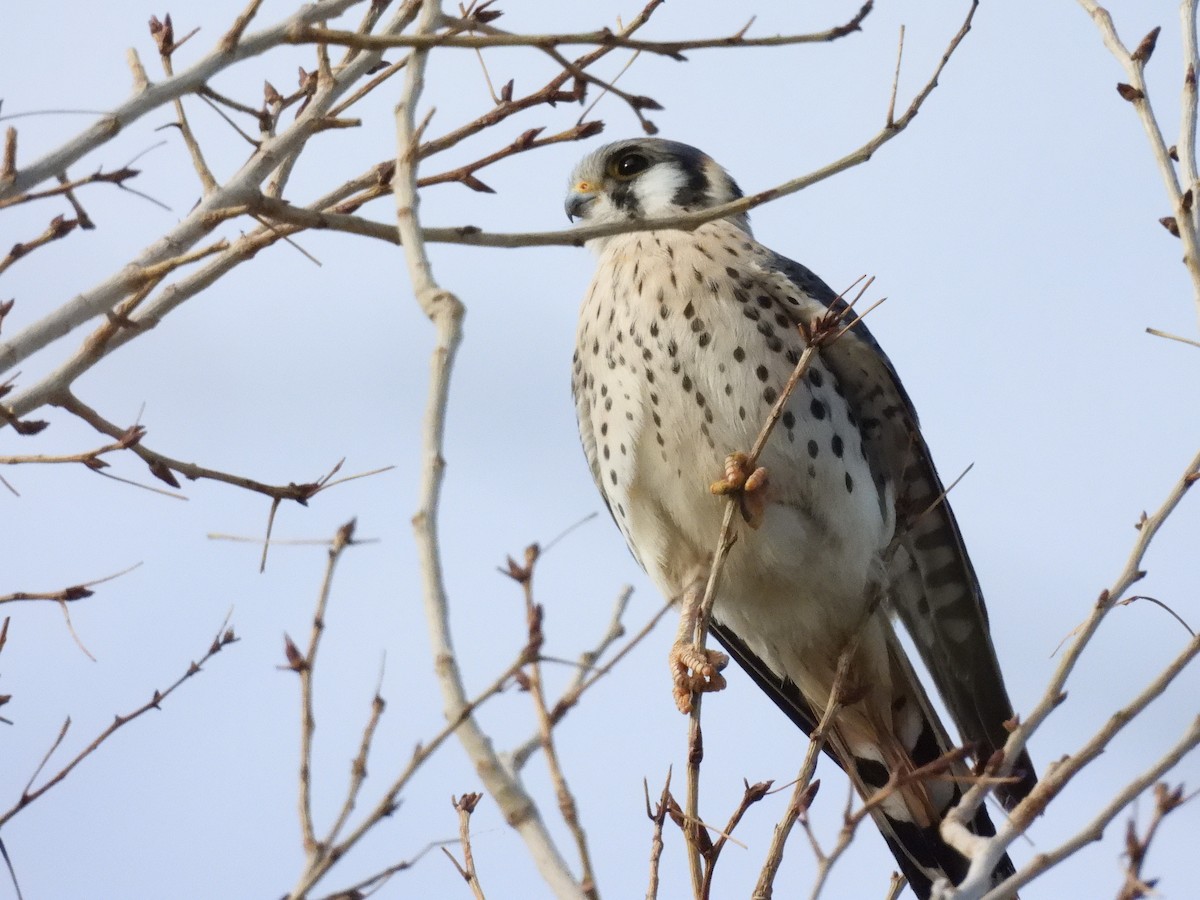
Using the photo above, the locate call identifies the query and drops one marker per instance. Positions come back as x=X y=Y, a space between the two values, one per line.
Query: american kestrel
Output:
x=685 y=341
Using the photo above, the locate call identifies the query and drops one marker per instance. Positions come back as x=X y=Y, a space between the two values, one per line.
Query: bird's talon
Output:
x=757 y=480
x=739 y=476
x=695 y=670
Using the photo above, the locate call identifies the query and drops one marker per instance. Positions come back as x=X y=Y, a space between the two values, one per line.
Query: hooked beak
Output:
x=577 y=204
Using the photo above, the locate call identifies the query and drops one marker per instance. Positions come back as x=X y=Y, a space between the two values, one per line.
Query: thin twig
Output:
x=224 y=638
x=985 y=853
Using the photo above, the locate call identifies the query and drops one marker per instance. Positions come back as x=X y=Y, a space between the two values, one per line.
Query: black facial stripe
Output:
x=623 y=198
x=696 y=191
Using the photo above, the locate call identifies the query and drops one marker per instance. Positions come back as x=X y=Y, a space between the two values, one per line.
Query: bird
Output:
x=686 y=339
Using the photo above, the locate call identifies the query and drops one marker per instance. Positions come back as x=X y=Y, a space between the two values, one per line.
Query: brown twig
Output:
x=985 y=854
x=523 y=575
x=59 y=228
x=659 y=817
x=164 y=36
x=1166 y=800
x=225 y=637
x=805 y=788
x=318 y=866
x=164 y=467
x=465 y=806
x=751 y=794
x=584 y=680
x=89 y=458
x=604 y=37
x=67 y=187
x=67 y=594
x=304 y=665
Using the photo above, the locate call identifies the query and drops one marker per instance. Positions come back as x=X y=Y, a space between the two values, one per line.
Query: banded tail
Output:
x=870 y=753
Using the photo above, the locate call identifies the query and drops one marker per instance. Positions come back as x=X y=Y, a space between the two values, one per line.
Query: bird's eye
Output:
x=629 y=164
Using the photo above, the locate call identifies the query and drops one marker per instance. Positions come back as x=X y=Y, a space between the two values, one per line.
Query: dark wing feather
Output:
x=935 y=591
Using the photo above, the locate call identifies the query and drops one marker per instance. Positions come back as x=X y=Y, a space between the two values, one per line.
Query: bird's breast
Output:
x=684 y=345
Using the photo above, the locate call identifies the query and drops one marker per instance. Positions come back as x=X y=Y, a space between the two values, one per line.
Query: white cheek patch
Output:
x=656 y=189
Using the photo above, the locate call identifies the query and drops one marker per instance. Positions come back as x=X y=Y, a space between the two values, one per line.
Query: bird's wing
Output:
x=933 y=586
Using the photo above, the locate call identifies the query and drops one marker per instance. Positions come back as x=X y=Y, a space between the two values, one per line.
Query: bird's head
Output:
x=647 y=178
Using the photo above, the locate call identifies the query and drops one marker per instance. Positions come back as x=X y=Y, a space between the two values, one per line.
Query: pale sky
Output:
x=1013 y=228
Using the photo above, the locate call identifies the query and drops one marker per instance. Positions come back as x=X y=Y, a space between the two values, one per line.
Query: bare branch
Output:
x=224 y=638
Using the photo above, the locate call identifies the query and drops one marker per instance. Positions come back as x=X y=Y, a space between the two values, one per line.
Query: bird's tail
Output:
x=892 y=758
x=908 y=771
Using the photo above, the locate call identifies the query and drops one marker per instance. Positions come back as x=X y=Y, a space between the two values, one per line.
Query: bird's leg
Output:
x=747 y=484
x=694 y=669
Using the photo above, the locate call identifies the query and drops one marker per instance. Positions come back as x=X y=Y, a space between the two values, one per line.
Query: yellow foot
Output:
x=748 y=484
x=695 y=670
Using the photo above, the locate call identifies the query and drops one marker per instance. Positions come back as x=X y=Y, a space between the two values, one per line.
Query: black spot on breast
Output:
x=687 y=383
x=699 y=399
x=838 y=447
x=815 y=376
x=740 y=296
x=608 y=404
x=739 y=354
x=697 y=325
x=647 y=355
x=782 y=320
x=763 y=300
x=765 y=329
x=769 y=394
x=612 y=473
x=623 y=451
x=689 y=310
x=849 y=484
x=657 y=419
x=650 y=376
x=817 y=408
x=595 y=348
x=605 y=451
x=762 y=373
x=813 y=449
x=705 y=339
x=774 y=344
x=603 y=428
x=741 y=412
x=789 y=419
x=751 y=313
x=672 y=348
x=653 y=329
x=731 y=271
x=698 y=275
